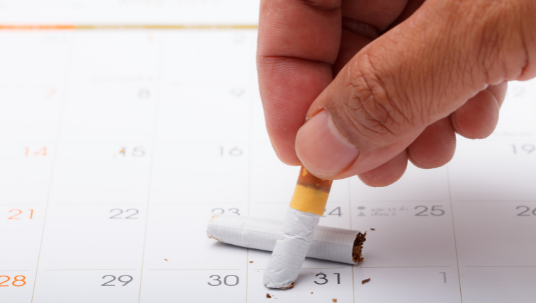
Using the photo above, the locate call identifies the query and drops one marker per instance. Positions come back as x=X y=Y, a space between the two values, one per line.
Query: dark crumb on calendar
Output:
x=372 y=228
x=268 y=296
x=250 y=261
x=365 y=281
x=166 y=259
x=334 y=300
x=311 y=293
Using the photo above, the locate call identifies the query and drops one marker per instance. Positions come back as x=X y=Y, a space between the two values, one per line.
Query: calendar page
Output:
x=126 y=124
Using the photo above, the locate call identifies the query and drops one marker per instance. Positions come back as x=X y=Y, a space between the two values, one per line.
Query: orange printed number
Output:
x=18 y=281
x=6 y=279
x=17 y=214
x=39 y=152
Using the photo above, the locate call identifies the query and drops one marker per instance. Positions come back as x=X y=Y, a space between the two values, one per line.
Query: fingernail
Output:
x=322 y=149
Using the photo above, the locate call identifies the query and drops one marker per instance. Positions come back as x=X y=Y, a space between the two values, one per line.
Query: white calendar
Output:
x=124 y=124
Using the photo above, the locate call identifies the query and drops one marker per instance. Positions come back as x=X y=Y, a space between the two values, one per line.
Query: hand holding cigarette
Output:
x=384 y=82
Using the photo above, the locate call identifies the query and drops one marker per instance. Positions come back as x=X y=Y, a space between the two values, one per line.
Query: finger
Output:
x=478 y=117
x=414 y=75
x=362 y=22
x=435 y=146
x=387 y=173
x=298 y=42
x=411 y=7
x=499 y=91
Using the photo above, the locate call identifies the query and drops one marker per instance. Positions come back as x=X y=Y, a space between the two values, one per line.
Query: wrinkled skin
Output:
x=381 y=82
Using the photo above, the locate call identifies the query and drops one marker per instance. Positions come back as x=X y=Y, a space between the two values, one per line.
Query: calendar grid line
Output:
x=250 y=155
x=351 y=218
x=151 y=165
x=521 y=266
x=54 y=159
x=454 y=231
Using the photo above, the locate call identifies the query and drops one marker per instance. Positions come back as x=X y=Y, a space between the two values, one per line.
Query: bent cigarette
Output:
x=328 y=243
x=306 y=208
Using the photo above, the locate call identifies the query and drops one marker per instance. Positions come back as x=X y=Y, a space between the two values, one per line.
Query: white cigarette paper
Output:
x=328 y=243
x=292 y=246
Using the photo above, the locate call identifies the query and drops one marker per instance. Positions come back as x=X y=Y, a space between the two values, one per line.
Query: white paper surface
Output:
x=117 y=145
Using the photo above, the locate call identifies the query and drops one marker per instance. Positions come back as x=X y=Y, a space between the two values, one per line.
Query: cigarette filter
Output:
x=306 y=208
x=328 y=243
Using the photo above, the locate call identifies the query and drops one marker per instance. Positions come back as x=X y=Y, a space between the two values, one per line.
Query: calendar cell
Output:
x=224 y=173
x=212 y=285
x=30 y=58
x=21 y=236
x=131 y=57
x=119 y=174
x=16 y=286
x=476 y=175
x=232 y=69
x=29 y=115
x=314 y=285
x=498 y=284
x=191 y=115
x=25 y=174
x=405 y=234
x=496 y=233
x=113 y=235
x=177 y=239
x=407 y=285
x=85 y=286
x=109 y=113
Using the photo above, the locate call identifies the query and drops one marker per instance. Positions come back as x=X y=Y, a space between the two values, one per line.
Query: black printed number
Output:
x=123 y=279
x=128 y=214
x=523 y=149
x=233 y=152
x=434 y=211
x=323 y=278
x=335 y=212
x=230 y=280
x=525 y=211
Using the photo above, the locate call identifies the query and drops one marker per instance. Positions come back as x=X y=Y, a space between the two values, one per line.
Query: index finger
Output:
x=298 y=44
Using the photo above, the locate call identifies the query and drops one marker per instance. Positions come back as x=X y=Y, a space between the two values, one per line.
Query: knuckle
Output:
x=372 y=108
x=502 y=43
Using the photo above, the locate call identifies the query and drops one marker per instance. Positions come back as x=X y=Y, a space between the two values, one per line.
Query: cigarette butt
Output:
x=328 y=243
x=306 y=208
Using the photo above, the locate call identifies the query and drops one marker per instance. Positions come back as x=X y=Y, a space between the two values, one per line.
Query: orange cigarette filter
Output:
x=311 y=193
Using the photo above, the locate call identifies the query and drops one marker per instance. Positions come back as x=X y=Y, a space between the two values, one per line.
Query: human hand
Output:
x=408 y=77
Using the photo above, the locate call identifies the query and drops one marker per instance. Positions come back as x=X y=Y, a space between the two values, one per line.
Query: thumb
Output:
x=416 y=74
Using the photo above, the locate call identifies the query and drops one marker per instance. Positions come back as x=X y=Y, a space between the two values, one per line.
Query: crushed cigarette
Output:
x=268 y=296
x=329 y=243
x=166 y=259
x=365 y=281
